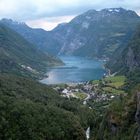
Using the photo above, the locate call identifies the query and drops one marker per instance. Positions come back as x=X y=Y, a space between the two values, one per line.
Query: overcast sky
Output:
x=48 y=13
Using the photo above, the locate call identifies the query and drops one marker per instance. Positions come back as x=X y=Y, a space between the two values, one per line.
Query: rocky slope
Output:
x=97 y=33
x=127 y=60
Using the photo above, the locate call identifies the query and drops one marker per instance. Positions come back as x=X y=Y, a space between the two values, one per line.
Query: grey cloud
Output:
x=34 y=9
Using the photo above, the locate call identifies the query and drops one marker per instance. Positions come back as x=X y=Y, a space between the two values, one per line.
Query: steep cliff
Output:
x=127 y=60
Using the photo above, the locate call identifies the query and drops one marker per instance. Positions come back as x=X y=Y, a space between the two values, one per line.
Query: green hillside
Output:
x=21 y=57
x=33 y=111
x=127 y=61
x=121 y=120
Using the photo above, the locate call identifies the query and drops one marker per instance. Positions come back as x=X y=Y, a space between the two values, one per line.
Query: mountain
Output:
x=122 y=117
x=21 y=57
x=128 y=59
x=97 y=33
x=93 y=33
x=38 y=37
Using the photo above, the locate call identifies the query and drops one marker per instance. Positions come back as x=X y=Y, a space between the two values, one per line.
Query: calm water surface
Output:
x=76 y=69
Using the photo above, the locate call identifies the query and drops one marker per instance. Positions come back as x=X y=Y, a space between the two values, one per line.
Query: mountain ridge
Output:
x=93 y=33
x=94 y=29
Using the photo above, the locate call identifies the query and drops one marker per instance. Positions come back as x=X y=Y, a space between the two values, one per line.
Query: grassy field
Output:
x=113 y=90
x=80 y=95
x=116 y=81
x=112 y=84
x=94 y=82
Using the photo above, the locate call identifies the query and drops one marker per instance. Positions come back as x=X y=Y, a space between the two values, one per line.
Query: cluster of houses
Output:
x=72 y=88
x=69 y=91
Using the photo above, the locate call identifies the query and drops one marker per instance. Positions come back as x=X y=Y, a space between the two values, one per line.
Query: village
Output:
x=84 y=91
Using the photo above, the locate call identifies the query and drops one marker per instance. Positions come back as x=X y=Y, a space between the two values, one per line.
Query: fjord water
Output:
x=76 y=69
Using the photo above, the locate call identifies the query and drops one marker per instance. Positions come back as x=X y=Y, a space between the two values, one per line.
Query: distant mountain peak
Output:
x=111 y=10
x=119 y=11
x=10 y=21
x=114 y=9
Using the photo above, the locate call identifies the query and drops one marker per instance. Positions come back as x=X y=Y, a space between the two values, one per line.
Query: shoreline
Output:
x=107 y=72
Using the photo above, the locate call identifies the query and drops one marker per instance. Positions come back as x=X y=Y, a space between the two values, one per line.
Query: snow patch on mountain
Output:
x=114 y=10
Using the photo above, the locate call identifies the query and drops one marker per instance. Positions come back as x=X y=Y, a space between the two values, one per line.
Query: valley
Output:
x=79 y=81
